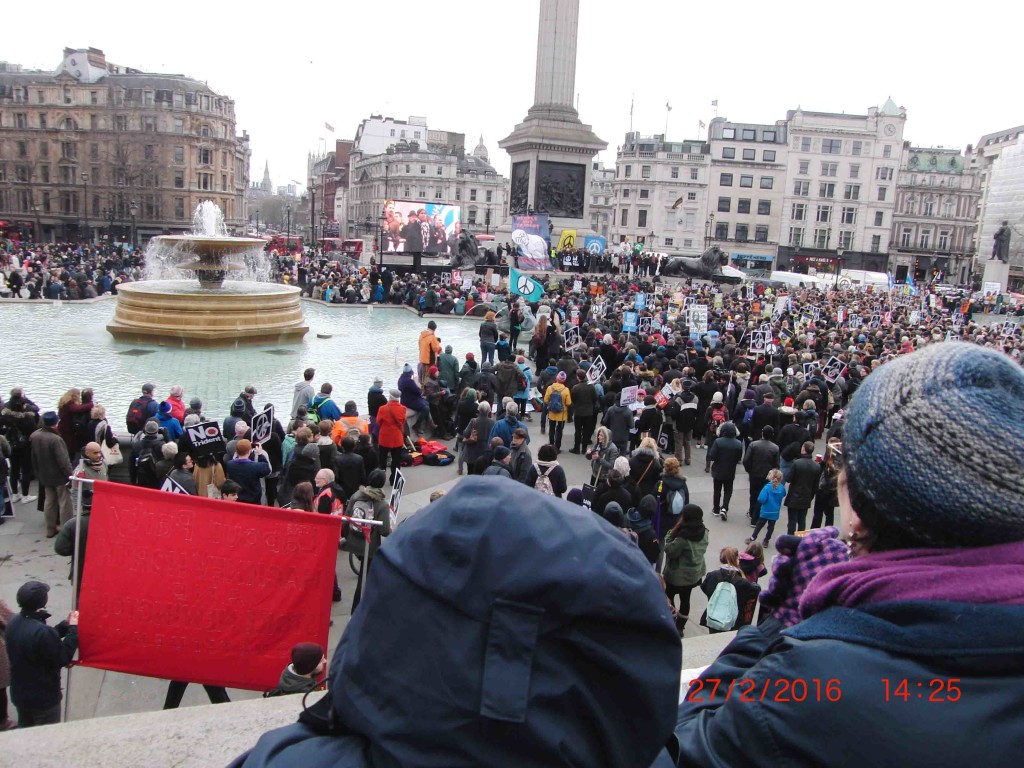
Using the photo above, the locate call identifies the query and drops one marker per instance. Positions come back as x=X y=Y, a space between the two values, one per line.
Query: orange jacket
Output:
x=430 y=347
x=343 y=424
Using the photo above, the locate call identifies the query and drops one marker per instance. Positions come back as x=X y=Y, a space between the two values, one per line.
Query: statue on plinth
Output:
x=1001 y=243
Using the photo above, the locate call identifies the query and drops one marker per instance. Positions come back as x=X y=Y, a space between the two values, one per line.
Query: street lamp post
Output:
x=133 y=209
x=839 y=265
x=708 y=230
x=85 y=206
x=288 y=228
x=323 y=223
x=257 y=222
x=108 y=214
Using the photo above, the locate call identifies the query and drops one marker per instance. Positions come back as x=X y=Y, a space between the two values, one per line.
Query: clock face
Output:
x=890 y=129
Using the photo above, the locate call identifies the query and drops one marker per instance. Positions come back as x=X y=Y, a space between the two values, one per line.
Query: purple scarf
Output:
x=982 y=575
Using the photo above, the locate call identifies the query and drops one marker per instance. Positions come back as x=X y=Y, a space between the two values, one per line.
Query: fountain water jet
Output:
x=212 y=313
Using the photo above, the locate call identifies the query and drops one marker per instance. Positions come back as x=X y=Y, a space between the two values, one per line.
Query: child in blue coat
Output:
x=770 y=498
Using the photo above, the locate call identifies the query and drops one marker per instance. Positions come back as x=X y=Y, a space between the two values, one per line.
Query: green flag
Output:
x=524 y=285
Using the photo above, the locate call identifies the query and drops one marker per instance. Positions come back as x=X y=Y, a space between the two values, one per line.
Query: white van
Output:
x=859 y=278
x=797 y=280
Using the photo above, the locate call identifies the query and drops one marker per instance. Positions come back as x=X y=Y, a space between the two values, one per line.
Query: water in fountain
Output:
x=162 y=259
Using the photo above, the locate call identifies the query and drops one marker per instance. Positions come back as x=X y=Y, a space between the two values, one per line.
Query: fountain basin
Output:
x=179 y=313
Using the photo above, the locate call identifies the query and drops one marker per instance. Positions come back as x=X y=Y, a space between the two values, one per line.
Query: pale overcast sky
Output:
x=468 y=65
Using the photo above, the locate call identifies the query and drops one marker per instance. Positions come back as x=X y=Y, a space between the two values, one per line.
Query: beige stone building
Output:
x=96 y=151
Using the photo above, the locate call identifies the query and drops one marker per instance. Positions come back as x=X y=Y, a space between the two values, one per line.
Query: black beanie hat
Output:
x=306 y=657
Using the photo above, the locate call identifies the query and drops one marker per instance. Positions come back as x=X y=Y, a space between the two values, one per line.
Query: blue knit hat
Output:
x=933 y=443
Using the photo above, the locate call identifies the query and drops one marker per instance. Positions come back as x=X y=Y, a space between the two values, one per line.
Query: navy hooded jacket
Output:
x=492 y=637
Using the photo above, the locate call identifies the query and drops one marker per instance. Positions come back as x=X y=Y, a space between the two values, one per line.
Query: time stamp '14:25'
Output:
x=937 y=689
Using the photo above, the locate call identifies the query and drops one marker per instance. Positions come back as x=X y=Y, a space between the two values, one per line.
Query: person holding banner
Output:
x=247 y=472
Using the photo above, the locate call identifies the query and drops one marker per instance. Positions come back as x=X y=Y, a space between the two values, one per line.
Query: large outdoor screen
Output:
x=417 y=227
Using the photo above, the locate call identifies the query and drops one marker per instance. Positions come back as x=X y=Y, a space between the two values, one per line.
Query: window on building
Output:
x=690 y=221
x=851 y=192
x=926 y=238
x=750 y=154
x=725 y=180
x=179 y=154
x=887 y=150
x=747 y=181
x=876 y=243
x=824 y=214
x=68 y=150
x=149 y=124
x=882 y=191
x=458 y=193
x=767 y=182
x=687 y=242
x=846 y=239
x=149 y=152
x=179 y=179
x=204 y=156
x=857 y=148
x=674 y=172
x=179 y=208
x=943 y=243
x=179 y=125
x=830 y=169
x=947 y=209
x=205 y=132
x=94 y=122
x=691 y=196
x=724 y=204
x=768 y=155
x=625 y=192
x=822 y=237
x=668 y=241
x=694 y=174
x=392 y=131
x=489 y=196
x=799 y=212
x=645 y=172
x=206 y=181
x=831 y=146
x=44 y=174
x=748 y=134
x=761 y=233
x=728 y=133
x=878 y=219
x=826 y=189
x=629 y=171
x=910 y=205
x=764 y=207
x=44 y=148
x=423 y=169
x=437 y=193
x=423 y=193
x=855 y=171
x=728 y=153
x=905 y=237
x=743 y=205
x=883 y=173
x=742 y=232
x=849 y=215
x=796 y=236
x=722 y=230
x=641 y=219
x=223 y=182
x=624 y=218
x=805 y=167
x=472 y=195
x=801 y=188
x=929 y=208
x=645 y=194
x=768 y=136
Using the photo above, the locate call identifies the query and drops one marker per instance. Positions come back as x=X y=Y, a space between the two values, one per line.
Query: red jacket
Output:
x=391 y=423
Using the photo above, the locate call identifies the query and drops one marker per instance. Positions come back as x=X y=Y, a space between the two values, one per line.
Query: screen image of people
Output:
x=415 y=227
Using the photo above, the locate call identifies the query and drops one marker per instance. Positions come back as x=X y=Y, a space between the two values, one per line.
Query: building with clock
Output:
x=935 y=220
x=840 y=188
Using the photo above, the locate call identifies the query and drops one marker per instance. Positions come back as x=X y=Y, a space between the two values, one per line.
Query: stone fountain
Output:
x=208 y=310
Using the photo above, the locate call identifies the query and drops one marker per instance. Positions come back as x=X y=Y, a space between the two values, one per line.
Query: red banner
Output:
x=202 y=590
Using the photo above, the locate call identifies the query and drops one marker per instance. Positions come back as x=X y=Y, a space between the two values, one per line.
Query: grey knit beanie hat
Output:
x=933 y=444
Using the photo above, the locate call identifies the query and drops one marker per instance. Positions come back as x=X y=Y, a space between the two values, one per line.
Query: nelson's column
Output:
x=552 y=151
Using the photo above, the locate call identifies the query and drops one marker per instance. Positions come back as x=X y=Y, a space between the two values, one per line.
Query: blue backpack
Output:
x=555 y=404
